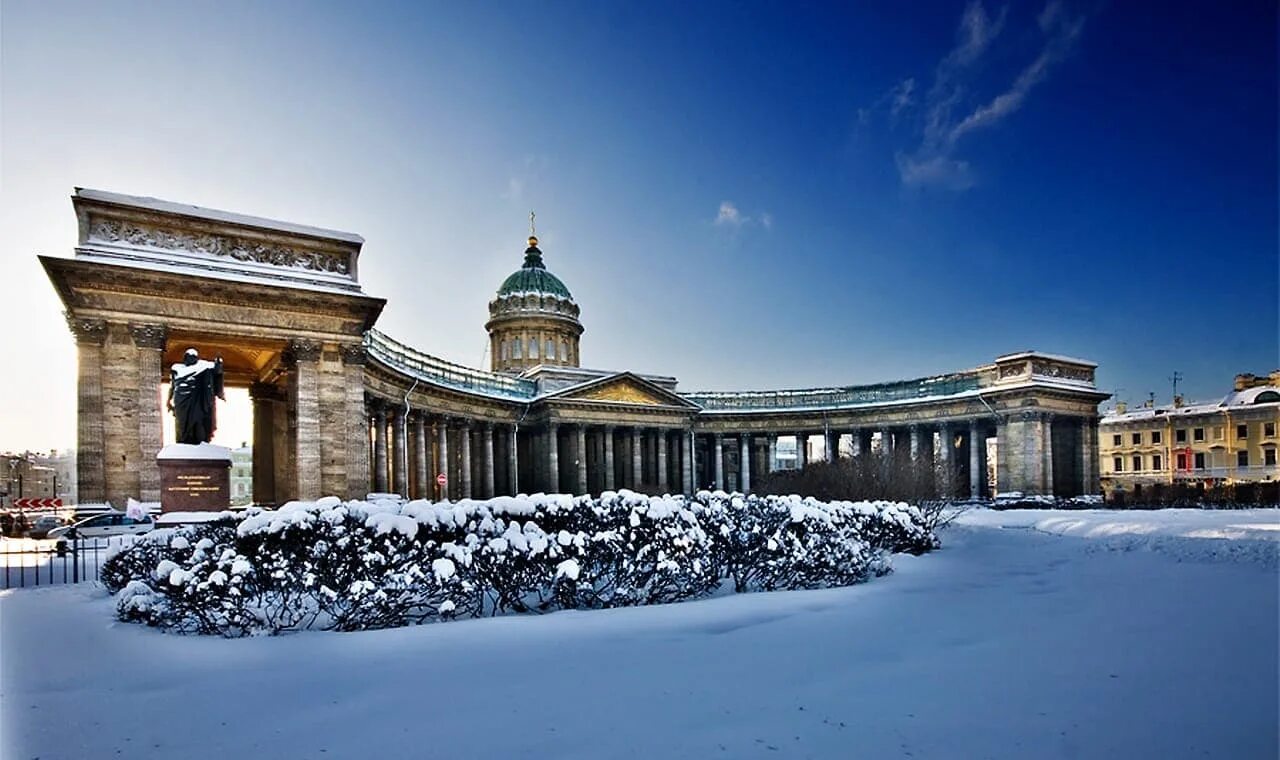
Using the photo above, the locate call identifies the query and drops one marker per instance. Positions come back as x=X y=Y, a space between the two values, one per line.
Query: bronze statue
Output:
x=193 y=385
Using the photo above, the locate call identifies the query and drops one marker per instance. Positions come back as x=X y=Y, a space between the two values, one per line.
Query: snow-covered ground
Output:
x=1031 y=634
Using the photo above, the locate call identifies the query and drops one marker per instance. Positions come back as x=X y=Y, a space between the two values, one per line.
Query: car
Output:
x=43 y=524
x=109 y=524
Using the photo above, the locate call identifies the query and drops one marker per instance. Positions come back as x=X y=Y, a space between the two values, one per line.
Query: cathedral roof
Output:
x=533 y=277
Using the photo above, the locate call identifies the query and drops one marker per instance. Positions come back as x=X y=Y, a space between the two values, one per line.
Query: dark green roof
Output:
x=533 y=277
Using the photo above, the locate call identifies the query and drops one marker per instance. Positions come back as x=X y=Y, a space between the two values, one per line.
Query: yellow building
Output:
x=1153 y=450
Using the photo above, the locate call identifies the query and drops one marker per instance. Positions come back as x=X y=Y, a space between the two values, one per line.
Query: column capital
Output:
x=354 y=354
x=302 y=350
x=149 y=335
x=89 y=332
x=265 y=392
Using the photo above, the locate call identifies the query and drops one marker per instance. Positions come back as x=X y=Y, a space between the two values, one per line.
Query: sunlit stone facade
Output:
x=340 y=408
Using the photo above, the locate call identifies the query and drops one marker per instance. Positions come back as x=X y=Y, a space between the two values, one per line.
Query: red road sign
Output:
x=29 y=503
x=441 y=479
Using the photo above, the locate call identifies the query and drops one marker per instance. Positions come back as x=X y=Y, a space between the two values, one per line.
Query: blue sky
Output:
x=740 y=195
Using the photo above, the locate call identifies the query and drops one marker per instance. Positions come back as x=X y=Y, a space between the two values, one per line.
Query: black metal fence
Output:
x=27 y=562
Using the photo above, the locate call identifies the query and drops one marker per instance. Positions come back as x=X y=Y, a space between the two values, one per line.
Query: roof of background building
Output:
x=1233 y=400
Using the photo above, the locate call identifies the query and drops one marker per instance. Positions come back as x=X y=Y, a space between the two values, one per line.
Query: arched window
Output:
x=519 y=353
x=533 y=348
x=564 y=351
x=551 y=349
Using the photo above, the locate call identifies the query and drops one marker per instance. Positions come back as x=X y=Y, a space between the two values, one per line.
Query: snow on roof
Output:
x=1042 y=355
x=199 y=212
x=210 y=268
x=1232 y=400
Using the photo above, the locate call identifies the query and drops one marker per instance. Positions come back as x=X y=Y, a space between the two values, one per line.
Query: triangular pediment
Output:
x=622 y=388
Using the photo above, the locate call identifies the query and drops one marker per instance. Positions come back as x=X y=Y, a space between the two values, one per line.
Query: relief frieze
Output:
x=123 y=232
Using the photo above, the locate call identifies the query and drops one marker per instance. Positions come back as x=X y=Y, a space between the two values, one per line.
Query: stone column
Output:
x=915 y=443
x=464 y=459
x=380 y=447
x=1089 y=456
x=513 y=460
x=357 y=422
x=150 y=340
x=686 y=461
x=773 y=452
x=718 y=461
x=486 y=459
x=265 y=397
x=662 y=461
x=637 y=466
x=744 y=479
x=305 y=356
x=802 y=450
x=856 y=442
x=91 y=471
x=831 y=444
x=442 y=451
x=976 y=476
x=580 y=455
x=553 y=457
x=402 y=453
x=420 y=439
x=608 y=459
x=1047 y=425
x=946 y=470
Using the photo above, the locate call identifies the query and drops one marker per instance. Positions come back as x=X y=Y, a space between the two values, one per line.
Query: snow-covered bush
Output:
x=358 y=565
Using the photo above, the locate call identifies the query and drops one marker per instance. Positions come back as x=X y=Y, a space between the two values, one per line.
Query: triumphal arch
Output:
x=340 y=408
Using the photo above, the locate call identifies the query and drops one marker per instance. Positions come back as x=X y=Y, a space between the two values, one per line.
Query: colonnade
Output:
x=483 y=459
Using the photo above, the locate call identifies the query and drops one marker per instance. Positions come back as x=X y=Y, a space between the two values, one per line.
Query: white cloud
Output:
x=730 y=216
x=937 y=171
x=939 y=128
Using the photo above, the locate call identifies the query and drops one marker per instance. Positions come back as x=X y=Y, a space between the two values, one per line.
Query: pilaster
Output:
x=304 y=356
x=91 y=477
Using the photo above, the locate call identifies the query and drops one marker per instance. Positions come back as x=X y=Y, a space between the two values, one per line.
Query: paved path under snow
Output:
x=1012 y=642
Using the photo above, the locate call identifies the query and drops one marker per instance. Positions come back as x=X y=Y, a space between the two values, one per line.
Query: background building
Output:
x=36 y=475
x=1228 y=442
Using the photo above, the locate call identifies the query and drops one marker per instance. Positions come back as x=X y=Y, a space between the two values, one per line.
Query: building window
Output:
x=551 y=349
x=519 y=346
x=1156 y=462
x=1269 y=457
x=1155 y=436
x=1268 y=430
x=1242 y=459
x=1137 y=439
x=1218 y=432
x=1197 y=434
x=1137 y=463
x=1242 y=431
x=1116 y=439
x=1180 y=435
x=1200 y=460
x=1182 y=462
x=533 y=348
x=1117 y=464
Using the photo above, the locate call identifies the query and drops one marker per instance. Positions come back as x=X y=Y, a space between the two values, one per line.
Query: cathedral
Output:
x=341 y=408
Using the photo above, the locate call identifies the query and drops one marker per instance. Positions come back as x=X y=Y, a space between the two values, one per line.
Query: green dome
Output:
x=533 y=277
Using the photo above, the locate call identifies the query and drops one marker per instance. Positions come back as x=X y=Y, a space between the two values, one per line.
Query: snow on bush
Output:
x=358 y=565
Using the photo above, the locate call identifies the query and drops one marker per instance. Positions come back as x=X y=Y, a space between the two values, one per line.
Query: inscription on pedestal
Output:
x=194 y=485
